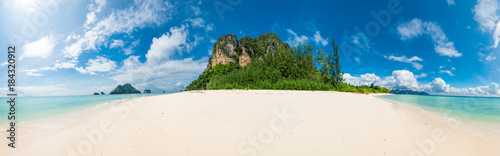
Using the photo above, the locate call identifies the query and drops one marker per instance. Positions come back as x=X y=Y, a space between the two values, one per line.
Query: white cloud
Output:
x=58 y=65
x=450 y=2
x=294 y=39
x=43 y=90
x=493 y=88
x=489 y=57
x=411 y=29
x=361 y=41
x=447 y=72
x=200 y=23
x=413 y=60
x=116 y=43
x=41 y=48
x=141 y=14
x=400 y=79
x=130 y=49
x=29 y=73
x=160 y=67
x=196 y=10
x=421 y=75
x=167 y=45
x=438 y=85
x=404 y=79
x=94 y=8
x=486 y=14
x=365 y=79
x=357 y=60
x=416 y=28
x=320 y=40
x=100 y=64
x=178 y=84
x=145 y=74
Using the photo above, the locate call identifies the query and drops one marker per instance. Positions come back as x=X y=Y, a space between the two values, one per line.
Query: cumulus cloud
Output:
x=413 y=60
x=438 y=85
x=416 y=28
x=365 y=79
x=320 y=40
x=486 y=14
x=42 y=48
x=167 y=45
x=100 y=64
x=160 y=67
x=400 y=79
x=295 y=39
x=404 y=79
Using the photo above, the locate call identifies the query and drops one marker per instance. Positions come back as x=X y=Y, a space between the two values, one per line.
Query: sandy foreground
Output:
x=230 y=123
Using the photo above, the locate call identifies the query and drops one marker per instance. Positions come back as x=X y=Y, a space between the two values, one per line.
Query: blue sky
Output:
x=80 y=47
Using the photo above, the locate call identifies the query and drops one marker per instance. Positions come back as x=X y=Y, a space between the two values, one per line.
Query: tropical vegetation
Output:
x=283 y=69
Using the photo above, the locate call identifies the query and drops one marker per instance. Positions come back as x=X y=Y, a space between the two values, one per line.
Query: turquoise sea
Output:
x=33 y=108
x=477 y=115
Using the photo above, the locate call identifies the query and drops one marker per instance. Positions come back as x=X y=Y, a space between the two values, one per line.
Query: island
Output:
x=408 y=92
x=125 y=89
x=268 y=63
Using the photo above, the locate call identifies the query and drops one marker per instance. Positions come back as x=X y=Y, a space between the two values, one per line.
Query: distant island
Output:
x=408 y=92
x=268 y=63
x=125 y=89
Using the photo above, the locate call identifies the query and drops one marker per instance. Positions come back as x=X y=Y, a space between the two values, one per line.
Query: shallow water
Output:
x=33 y=108
x=477 y=115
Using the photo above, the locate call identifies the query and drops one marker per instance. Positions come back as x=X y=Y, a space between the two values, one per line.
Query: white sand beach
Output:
x=254 y=122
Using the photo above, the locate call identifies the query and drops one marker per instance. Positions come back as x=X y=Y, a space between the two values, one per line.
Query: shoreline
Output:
x=300 y=123
x=476 y=128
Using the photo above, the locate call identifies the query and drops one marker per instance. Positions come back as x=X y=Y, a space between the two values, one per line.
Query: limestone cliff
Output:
x=229 y=49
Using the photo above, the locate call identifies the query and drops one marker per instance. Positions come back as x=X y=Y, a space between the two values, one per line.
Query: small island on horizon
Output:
x=125 y=89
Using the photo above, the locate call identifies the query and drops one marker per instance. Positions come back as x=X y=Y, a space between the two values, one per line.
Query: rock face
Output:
x=224 y=48
x=228 y=49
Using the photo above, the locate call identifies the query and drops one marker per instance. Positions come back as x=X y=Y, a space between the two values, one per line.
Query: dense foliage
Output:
x=284 y=68
x=210 y=73
x=125 y=89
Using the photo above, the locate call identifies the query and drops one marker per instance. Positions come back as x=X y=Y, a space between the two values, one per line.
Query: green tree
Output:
x=338 y=75
x=329 y=65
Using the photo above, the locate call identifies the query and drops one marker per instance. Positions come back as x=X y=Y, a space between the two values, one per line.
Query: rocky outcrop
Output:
x=228 y=49
x=244 y=58
x=224 y=48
